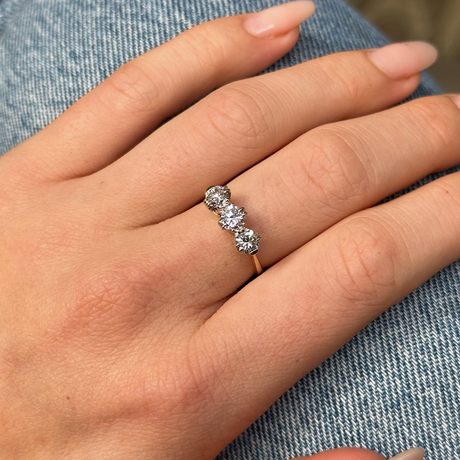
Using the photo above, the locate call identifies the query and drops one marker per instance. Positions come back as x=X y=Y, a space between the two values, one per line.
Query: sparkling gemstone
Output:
x=247 y=241
x=232 y=218
x=217 y=197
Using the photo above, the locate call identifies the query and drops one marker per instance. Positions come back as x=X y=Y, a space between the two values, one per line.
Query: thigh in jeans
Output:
x=395 y=384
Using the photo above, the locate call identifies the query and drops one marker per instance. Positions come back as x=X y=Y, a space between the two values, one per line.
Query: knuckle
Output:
x=343 y=82
x=182 y=383
x=365 y=260
x=439 y=118
x=207 y=42
x=333 y=166
x=102 y=293
x=238 y=114
x=113 y=302
x=175 y=388
x=130 y=89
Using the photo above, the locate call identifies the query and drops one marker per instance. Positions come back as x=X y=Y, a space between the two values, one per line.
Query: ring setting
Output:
x=217 y=196
x=247 y=241
x=232 y=218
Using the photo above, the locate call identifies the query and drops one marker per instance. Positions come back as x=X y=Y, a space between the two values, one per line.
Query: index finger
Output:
x=123 y=109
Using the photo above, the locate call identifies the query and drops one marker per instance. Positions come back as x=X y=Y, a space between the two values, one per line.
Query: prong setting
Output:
x=247 y=241
x=232 y=218
x=217 y=197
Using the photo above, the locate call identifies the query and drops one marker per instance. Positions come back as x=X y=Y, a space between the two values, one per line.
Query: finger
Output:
x=300 y=311
x=130 y=103
x=345 y=453
x=344 y=167
x=305 y=188
x=242 y=123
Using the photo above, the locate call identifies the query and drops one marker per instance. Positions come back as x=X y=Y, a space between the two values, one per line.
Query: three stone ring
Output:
x=217 y=199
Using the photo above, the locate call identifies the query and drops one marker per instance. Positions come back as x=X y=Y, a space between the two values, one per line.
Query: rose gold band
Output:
x=257 y=265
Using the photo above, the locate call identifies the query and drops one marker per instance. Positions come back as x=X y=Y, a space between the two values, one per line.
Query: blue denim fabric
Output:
x=395 y=384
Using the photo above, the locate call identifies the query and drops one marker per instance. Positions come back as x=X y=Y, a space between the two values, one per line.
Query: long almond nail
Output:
x=279 y=19
x=416 y=453
x=456 y=99
x=403 y=60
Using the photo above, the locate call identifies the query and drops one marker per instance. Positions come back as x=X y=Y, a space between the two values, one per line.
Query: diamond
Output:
x=232 y=218
x=247 y=241
x=217 y=197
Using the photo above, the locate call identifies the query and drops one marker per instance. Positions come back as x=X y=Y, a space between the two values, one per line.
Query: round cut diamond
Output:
x=217 y=197
x=247 y=241
x=232 y=218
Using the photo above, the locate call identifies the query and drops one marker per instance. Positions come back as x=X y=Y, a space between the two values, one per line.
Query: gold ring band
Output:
x=257 y=265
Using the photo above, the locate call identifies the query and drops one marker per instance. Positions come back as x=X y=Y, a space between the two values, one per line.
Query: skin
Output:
x=125 y=334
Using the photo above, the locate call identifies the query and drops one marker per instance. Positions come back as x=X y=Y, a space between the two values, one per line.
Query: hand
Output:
x=124 y=332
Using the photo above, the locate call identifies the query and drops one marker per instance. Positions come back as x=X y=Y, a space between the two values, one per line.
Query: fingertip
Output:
x=402 y=60
x=279 y=20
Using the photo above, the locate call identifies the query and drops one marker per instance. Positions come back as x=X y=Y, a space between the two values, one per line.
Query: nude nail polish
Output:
x=416 y=453
x=279 y=20
x=403 y=60
x=456 y=99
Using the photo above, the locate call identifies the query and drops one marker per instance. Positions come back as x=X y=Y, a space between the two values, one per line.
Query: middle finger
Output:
x=243 y=122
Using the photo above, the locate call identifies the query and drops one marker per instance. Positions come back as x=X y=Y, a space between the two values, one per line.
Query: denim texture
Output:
x=395 y=384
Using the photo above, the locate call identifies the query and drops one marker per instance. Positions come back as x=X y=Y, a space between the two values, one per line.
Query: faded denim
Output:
x=395 y=384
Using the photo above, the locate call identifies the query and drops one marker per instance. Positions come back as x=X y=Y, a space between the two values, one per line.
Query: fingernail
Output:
x=416 y=453
x=403 y=60
x=456 y=99
x=279 y=19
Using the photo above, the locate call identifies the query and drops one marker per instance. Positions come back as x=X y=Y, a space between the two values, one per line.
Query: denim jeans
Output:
x=395 y=384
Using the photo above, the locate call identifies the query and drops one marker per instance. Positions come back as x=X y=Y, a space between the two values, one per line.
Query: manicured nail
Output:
x=402 y=60
x=279 y=19
x=456 y=99
x=416 y=453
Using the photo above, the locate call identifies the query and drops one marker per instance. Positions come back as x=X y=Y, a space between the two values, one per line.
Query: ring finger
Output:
x=321 y=178
x=242 y=123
